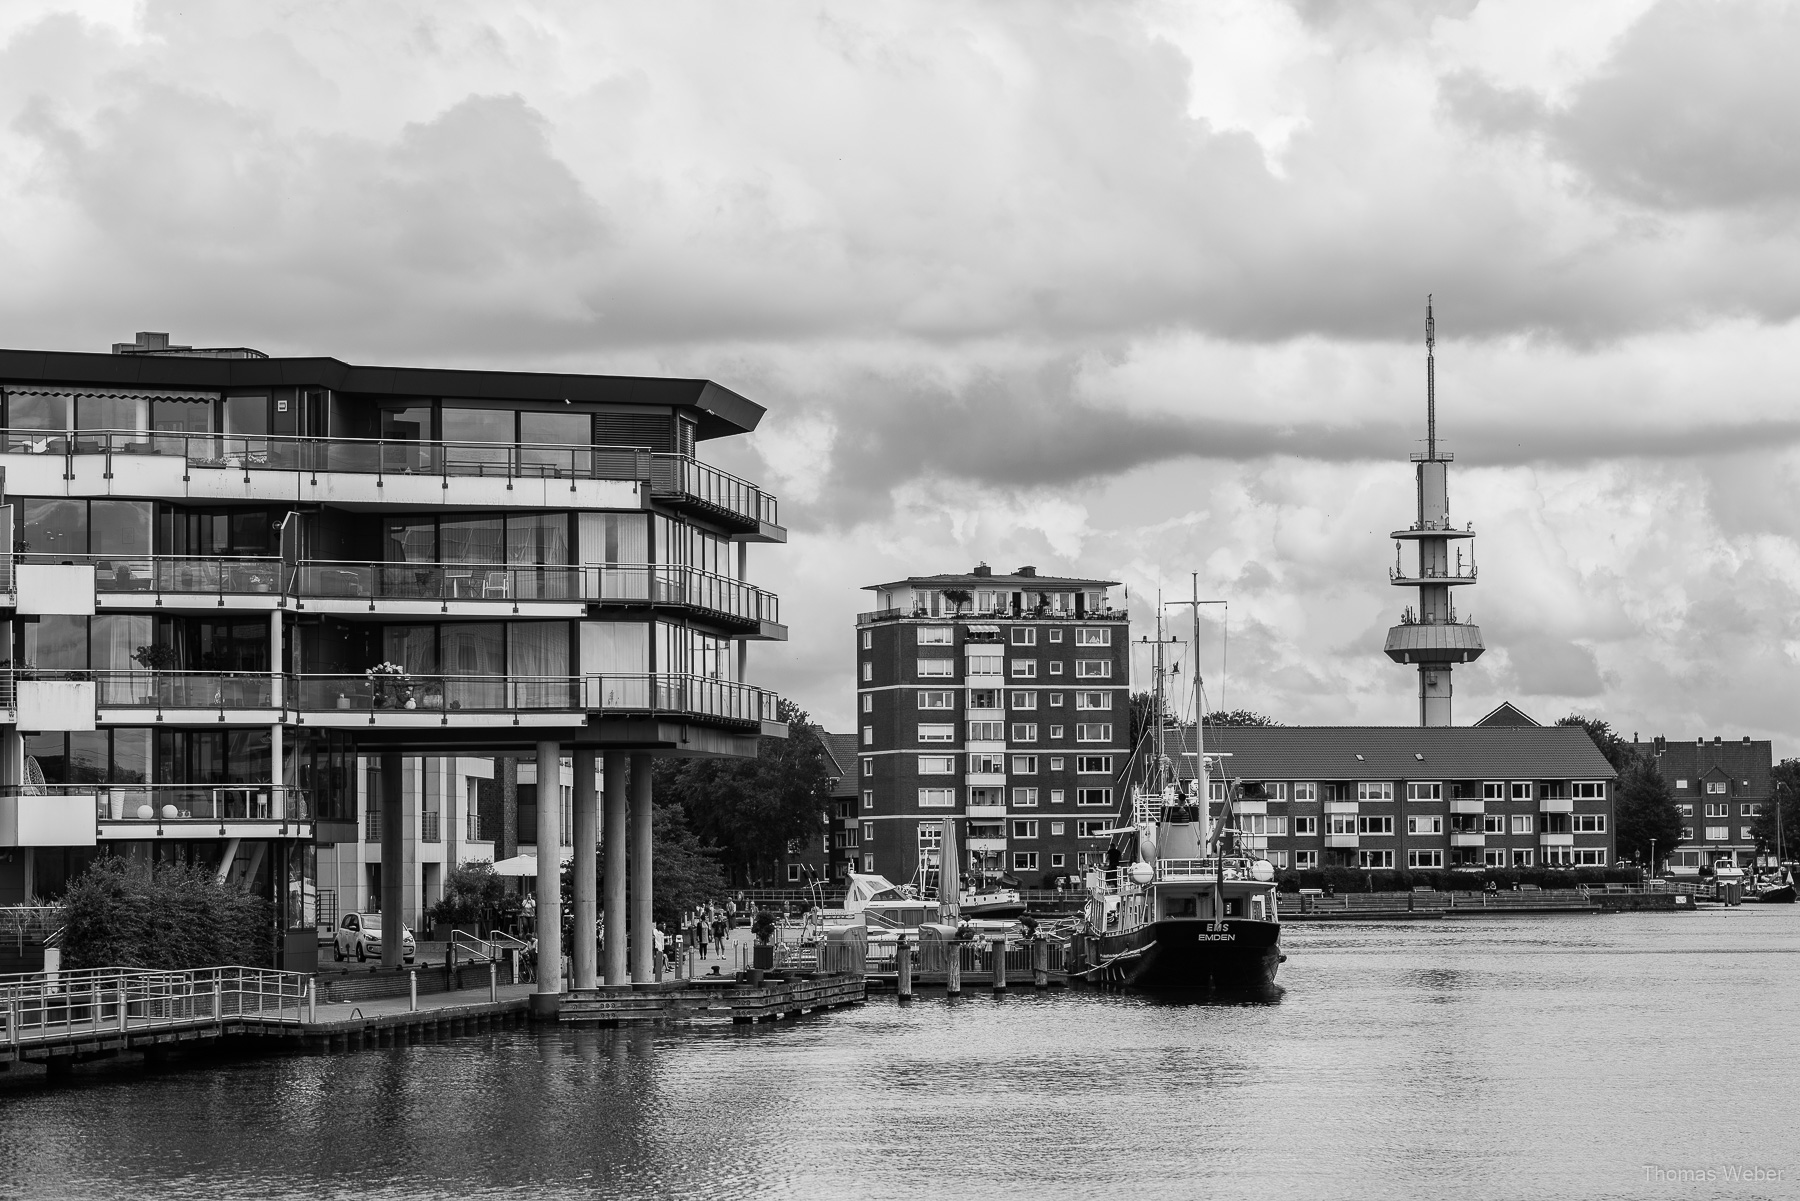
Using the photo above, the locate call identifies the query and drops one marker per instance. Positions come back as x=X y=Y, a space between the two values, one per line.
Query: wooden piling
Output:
x=997 y=948
x=953 y=968
x=1040 y=962
x=903 y=969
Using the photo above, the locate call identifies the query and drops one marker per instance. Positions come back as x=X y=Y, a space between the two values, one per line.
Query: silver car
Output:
x=359 y=934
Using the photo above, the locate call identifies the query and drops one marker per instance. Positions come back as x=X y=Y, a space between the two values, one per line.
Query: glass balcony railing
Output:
x=445 y=694
x=185 y=802
x=184 y=689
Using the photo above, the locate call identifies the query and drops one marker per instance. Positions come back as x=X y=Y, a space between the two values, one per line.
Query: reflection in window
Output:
x=55 y=527
x=55 y=643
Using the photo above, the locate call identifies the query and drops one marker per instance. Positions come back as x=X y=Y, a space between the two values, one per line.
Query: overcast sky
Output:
x=1117 y=290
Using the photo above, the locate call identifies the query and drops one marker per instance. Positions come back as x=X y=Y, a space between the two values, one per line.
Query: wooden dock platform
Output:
x=703 y=1000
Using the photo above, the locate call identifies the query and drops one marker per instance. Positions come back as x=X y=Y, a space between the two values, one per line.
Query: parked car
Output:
x=359 y=934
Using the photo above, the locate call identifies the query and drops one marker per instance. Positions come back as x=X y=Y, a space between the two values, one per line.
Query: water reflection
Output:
x=1500 y=1059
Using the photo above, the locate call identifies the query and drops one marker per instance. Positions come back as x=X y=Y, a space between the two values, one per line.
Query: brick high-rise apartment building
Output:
x=999 y=701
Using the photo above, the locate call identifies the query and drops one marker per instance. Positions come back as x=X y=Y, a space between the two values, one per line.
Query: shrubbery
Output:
x=474 y=895
x=169 y=916
x=1350 y=879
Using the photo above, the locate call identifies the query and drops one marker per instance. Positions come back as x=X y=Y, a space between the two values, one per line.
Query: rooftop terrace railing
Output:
x=680 y=478
x=1021 y=614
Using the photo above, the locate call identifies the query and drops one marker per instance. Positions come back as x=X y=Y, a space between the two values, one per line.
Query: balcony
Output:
x=920 y=613
x=1467 y=840
x=238 y=466
x=1341 y=840
x=1469 y=806
x=1547 y=839
x=429 y=826
x=77 y=700
x=991 y=811
x=1547 y=804
x=424 y=700
x=141 y=811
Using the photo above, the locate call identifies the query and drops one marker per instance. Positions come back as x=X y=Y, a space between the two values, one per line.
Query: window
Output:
x=1275 y=792
x=933 y=669
x=1093 y=637
x=987 y=764
x=869 y=864
x=987 y=731
x=1493 y=858
x=1025 y=861
x=1306 y=860
x=1278 y=859
x=1215 y=790
x=1056 y=700
x=937 y=798
x=1425 y=825
x=1751 y=810
x=1424 y=858
x=1716 y=787
x=868 y=831
x=1340 y=823
x=1681 y=783
x=868 y=799
x=937 y=733
x=984 y=698
x=937 y=765
x=1374 y=790
x=1559 y=856
x=1424 y=792
x=1275 y=827
x=937 y=700
x=1686 y=810
x=1057 y=859
x=1093 y=796
x=1056 y=796
x=868 y=672
x=1090 y=829
x=1374 y=859
x=1493 y=823
x=1687 y=833
x=936 y=636
x=1588 y=823
x=1306 y=791
x=1718 y=833
x=1745 y=834
x=1056 y=763
x=1055 y=668
x=868 y=640
x=1493 y=791
x=1590 y=790
x=850 y=838
x=1521 y=823
x=869 y=735
x=931 y=837
x=868 y=702
x=1521 y=858
x=1024 y=765
x=1024 y=636
x=1024 y=829
x=1306 y=826
x=1718 y=811
x=1089 y=732
x=986 y=665
x=1056 y=829
x=1521 y=790
x=1056 y=731
x=1024 y=669
x=1024 y=731
x=1025 y=798
x=1590 y=857
x=1093 y=669
x=1094 y=764
x=1374 y=825
x=868 y=767
x=1093 y=700
x=1024 y=700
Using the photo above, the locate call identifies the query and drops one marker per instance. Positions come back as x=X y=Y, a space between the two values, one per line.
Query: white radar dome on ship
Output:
x=1142 y=873
x=1262 y=869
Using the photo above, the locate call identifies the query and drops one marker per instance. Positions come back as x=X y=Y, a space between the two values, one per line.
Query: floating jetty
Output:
x=702 y=999
x=1428 y=905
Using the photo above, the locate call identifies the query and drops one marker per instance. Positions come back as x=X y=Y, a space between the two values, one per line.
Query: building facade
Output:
x=1720 y=789
x=1000 y=702
x=239 y=586
x=1418 y=798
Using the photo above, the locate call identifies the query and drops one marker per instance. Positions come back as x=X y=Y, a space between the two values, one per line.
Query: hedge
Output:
x=170 y=917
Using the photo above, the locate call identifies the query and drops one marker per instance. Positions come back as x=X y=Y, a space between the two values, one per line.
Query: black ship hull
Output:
x=1781 y=895
x=1187 y=954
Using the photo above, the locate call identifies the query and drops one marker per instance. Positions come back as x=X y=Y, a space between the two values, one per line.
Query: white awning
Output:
x=984 y=629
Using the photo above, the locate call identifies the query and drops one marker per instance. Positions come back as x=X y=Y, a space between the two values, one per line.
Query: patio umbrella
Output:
x=949 y=874
x=525 y=864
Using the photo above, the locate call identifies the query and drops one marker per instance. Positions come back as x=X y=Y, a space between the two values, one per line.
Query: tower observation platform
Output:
x=1429 y=635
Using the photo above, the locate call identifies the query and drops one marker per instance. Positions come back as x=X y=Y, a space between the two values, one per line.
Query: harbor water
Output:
x=1546 y=1056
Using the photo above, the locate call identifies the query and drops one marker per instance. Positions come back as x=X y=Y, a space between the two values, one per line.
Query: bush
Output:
x=472 y=893
x=169 y=917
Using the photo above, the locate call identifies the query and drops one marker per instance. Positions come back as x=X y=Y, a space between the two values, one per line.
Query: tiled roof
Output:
x=1401 y=752
x=1506 y=714
x=842 y=750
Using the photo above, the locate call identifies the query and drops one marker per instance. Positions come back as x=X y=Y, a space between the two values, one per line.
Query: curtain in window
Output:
x=537 y=658
x=474 y=649
x=617 y=544
x=413 y=647
x=537 y=539
x=113 y=638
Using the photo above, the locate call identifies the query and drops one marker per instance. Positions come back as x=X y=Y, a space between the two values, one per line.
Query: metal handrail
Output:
x=37 y=1007
x=183 y=802
x=632 y=692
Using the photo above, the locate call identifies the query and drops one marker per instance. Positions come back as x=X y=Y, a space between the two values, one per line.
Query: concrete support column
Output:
x=743 y=644
x=613 y=840
x=643 y=946
x=547 y=997
x=586 y=900
x=393 y=857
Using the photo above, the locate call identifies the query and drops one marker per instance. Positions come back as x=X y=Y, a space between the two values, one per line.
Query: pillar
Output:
x=586 y=900
x=613 y=842
x=393 y=858
x=643 y=943
x=547 y=996
x=743 y=644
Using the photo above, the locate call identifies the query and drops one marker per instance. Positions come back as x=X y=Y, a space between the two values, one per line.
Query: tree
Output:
x=1644 y=811
x=472 y=893
x=751 y=809
x=1238 y=717
x=1617 y=750
x=684 y=874
x=1786 y=778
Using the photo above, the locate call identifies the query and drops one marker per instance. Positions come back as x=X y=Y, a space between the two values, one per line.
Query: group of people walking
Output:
x=707 y=928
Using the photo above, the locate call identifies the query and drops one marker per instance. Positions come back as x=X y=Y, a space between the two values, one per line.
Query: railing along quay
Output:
x=96 y=1009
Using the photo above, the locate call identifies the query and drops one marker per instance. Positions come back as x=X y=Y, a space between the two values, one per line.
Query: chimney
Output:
x=1026 y=571
x=982 y=569
x=1717 y=739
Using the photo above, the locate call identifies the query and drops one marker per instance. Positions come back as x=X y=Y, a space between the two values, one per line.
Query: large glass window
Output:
x=412 y=541
x=247 y=416
x=474 y=649
x=112 y=412
x=541 y=538
x=121 y=527
x=413 y=647
x=115 y=638
x=55 y=643
x=473 y=540
x=406 y=425
x=537 y=648
x=493 y=426
x=37 y=411
x=55 y=527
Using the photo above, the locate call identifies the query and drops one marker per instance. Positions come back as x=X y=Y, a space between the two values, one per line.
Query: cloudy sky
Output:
x=1124 y=290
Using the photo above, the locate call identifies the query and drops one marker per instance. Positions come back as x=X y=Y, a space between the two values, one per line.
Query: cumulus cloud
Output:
x=1131 y=290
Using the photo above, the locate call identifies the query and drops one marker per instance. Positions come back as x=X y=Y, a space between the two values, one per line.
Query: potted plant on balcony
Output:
x=388 y=683
x=958 y=597
x=157 y=658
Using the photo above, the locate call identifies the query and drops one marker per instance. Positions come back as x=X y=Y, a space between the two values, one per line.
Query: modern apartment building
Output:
x=1720 y=788
x=232 y=577
x=1425 y=797
x=1000 y=702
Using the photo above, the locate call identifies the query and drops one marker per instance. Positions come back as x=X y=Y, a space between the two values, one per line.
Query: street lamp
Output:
x=1653 y=856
